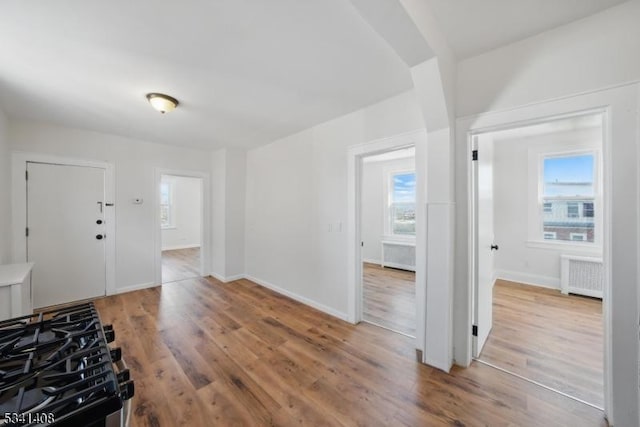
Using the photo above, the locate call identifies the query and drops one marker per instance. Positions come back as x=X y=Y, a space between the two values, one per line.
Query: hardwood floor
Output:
x=204 y=353
x=389 y=298
x=180 y=264
x=548 y=337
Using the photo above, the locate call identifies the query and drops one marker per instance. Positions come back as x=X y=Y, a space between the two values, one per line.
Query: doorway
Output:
x=65 y=232
x=181 y=227
x=388 y=230
x=538 y=204
x=64 y=222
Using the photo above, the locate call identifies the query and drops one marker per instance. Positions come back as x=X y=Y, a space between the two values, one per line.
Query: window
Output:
x=167 y=215
x=587 y=209
x=402 y=203
x=568 y=197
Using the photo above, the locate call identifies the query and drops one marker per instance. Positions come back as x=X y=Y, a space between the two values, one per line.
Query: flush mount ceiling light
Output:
x=161 y=102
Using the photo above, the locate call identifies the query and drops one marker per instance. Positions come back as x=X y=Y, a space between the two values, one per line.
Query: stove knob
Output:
x=127 y=390
x=109 y=335
x=116 y=354
x=123 y=376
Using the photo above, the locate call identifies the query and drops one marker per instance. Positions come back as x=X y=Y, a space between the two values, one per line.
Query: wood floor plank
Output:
x=180 y=264
x=389 y=298
x=237 y=354
x=548 y=337
x=186 y=409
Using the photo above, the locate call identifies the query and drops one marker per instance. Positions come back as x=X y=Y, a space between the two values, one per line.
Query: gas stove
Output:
x=57 y=369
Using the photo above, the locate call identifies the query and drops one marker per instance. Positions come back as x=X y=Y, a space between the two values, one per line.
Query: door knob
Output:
x=494 y=247
x=99 y=236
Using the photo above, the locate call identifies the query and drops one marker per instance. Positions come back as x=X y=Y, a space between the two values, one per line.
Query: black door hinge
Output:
x=26 y=231
x=474 y=330
x=26 y=175
x=474 y=155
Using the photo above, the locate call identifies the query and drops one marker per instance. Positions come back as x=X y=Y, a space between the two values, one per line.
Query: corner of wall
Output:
x=228 y=213
x=235 y=200
x=218 y=238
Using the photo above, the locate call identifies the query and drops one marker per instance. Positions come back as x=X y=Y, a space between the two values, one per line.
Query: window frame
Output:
x=388 y=187
x=537 y=155
x=171 y=211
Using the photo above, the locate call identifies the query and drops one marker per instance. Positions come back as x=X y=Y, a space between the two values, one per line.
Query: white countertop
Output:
x=11 y=274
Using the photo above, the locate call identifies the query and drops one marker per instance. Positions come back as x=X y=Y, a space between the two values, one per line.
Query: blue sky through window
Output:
x=404 y=187
x=569 y=169
x=569 y=175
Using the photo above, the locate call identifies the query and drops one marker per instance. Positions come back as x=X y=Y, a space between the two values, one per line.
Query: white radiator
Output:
x=581 y=275
x=399 y=255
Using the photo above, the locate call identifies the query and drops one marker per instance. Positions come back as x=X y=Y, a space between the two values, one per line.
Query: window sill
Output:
x=587 y=248
x=403 y=240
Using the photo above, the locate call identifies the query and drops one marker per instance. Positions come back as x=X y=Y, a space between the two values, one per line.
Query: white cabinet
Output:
x=16 y=296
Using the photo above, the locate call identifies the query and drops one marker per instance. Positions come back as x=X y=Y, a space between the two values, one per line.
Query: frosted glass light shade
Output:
x=161 y=102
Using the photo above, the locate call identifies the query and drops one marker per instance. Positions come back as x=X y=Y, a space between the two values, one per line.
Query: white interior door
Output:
x=484 y=243
x=65 y=220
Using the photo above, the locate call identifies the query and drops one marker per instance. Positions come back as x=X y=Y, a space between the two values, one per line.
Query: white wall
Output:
x=235 y=199
x=374 y=174
x=135 y=163
x=592 y=53
x=186 y=232
x=586 y=56
x=228 y=213
x=5 y=192
x=517 y=259
x=218 y=235
x=297 y=188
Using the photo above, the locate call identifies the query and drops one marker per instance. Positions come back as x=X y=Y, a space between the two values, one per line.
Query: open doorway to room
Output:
x=388 y=232
x=538 y=253
x=181 y=227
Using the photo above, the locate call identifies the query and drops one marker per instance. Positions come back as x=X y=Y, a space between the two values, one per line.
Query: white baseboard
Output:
x=176 y=247
x=529 y=279
x=136 y=287
x=299 y=298
x=218 y=276
x=372 y=261
x=264 y=283
x=227 y=279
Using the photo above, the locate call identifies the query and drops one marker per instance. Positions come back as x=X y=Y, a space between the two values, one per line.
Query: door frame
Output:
x=19 y=206
x=205 y=220
x=618 y=106
x=355 y=155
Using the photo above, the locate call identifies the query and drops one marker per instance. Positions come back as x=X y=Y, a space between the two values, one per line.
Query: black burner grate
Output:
x=59 y=363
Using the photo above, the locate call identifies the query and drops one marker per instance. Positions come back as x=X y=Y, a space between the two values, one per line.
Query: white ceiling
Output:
x=246 y=72
x=475 y=26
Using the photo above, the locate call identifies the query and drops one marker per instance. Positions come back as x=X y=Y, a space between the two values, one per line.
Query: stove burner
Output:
x=58 y=362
